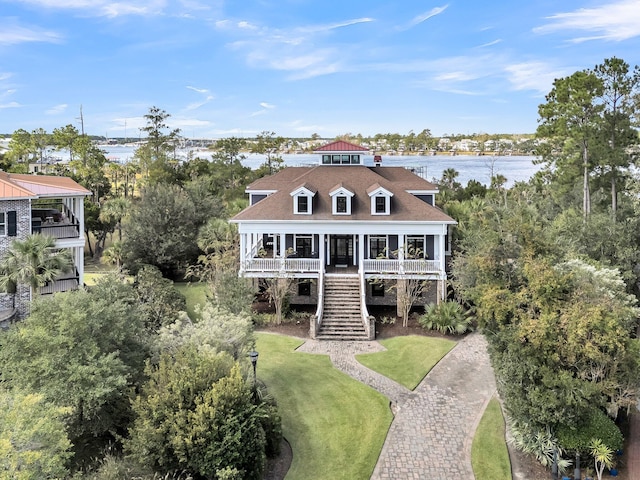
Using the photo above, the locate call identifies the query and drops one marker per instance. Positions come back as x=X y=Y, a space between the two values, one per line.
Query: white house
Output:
x=49 y=205
x=347 y=232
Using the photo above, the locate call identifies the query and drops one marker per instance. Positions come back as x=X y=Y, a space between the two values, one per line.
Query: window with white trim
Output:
x=378 y=246
x=380 y=201
x=415 y=247
x=303 y=245
x=341 y=200
x=3 y=224
x=303 y=204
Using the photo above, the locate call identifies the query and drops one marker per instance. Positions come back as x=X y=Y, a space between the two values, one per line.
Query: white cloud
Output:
x=10 y=105
x=489 y=44
x=333 y=26
x=57 y=109
x=257 y=113
x=130 y=124
x=537 y=76
x=246 y=26
x=207 y=98
x=189 y=122
x=267 y=105
x=12 y=34
x=106 y=7
x=299 y=51
x=195 y=105
x=456 y=91
x=426 y=16
x=615 y=21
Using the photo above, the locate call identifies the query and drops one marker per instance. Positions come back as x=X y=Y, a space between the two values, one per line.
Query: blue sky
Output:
x=298 y=67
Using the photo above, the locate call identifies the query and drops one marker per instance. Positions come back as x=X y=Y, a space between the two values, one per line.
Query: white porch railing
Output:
x=401 y=266
x=389 y=266
x=277 y=264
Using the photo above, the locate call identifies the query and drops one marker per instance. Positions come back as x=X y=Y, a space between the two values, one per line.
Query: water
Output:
x=513 y=168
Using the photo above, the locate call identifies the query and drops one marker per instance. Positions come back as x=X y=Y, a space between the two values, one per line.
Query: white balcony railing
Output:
x=401 y=266
x=277 y=264
x=388 y=266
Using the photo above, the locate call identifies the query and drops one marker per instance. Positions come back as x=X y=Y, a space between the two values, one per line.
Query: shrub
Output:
x=596 y=425
x=447 y=317
x=197 y=413
x=539 y=443
x=272 y=426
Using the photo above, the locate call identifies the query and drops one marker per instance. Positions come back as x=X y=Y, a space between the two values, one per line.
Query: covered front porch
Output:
x=266 y=254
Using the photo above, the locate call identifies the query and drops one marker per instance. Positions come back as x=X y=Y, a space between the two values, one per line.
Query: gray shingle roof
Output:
x=323 y=179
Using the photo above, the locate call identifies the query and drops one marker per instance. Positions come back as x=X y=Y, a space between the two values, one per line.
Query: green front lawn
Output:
x=336 y=425
x=407 y=359
x=489 y=454
x=195 y=294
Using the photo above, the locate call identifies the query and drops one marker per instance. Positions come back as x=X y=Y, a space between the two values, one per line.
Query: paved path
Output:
x=431 y=434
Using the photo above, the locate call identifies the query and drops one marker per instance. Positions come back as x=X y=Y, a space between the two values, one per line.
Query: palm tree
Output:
x=33 y=261
x=114 y=255
x=114 y=210
x=449 y=176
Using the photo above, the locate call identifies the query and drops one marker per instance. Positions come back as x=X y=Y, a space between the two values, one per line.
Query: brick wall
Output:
x=23 y=218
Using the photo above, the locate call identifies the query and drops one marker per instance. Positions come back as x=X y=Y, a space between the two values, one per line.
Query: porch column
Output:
x=79 y=254
x=79 y=212
x=283 y=249
x=402 y=239
x=243 y=250
x=322 y=254
x=361 y=248
x=441 y=250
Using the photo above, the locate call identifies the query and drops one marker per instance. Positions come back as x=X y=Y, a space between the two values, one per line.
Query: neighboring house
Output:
x=345 y=232
x=48 y=205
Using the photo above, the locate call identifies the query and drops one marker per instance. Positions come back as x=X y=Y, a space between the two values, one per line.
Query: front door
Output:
x=341 y=250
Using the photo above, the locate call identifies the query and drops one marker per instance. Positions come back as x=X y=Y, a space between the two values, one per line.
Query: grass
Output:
x=408 y=358
x=336 y=426
x=195 y=293
x=489 y=454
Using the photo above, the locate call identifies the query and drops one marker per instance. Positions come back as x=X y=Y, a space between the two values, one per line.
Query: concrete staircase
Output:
x=341 y=317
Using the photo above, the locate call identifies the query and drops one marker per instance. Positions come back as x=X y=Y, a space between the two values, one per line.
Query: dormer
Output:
x=341 y=200
x=303 y=200
x=256 y=195
x=380 y=200
x=427 y=196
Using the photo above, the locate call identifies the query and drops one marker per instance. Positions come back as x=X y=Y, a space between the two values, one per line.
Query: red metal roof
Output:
x=341 y=146
x=14 y=185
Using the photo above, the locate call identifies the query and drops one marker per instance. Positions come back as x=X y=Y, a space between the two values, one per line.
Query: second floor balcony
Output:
x=313 y=265
x=54 y=220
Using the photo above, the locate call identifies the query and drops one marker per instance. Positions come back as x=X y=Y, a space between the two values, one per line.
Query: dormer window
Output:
x=380 y=200
x=341 y=200
x=303 y=204
x=303 y=200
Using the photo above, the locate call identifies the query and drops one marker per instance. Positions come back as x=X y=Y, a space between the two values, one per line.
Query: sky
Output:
x=225 y=68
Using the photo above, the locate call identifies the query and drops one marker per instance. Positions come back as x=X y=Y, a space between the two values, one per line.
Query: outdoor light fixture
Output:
x=253 y=355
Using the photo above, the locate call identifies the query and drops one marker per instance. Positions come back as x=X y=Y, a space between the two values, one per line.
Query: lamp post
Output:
x=577 y=474
x=554 y=466
x=253 y=355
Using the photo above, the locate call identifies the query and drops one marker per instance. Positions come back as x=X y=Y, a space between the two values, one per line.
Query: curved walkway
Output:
x=431 y=434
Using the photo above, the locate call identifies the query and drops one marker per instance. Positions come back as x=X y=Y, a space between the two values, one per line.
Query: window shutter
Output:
x=12 y=223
